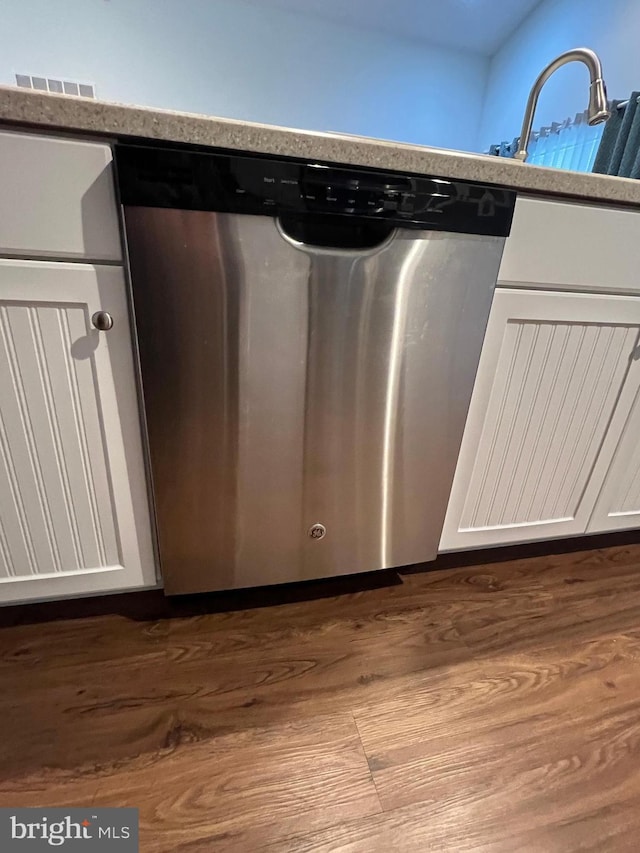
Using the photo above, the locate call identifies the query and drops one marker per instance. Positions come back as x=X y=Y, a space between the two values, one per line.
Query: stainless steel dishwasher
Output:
x=308 y=338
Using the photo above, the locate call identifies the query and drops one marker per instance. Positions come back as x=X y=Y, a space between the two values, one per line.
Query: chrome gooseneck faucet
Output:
x=598 y=110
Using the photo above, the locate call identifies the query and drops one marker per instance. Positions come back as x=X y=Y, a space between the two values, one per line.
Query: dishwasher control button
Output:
x=407 y=202
x=390 y=201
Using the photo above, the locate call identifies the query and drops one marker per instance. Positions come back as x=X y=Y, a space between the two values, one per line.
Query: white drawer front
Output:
x=57 y=198
x=572 y=246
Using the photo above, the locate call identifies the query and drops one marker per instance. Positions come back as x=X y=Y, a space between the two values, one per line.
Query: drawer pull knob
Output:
x=102 y=320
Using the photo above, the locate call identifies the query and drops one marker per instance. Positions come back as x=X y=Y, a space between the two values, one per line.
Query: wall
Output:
x=228 y=58
x=611 y=28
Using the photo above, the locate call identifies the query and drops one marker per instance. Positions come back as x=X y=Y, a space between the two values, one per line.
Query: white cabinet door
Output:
x=74 y=515
x=551 y=376
x=618 y=504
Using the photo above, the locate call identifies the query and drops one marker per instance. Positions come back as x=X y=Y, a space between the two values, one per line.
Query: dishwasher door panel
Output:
x=288 y=386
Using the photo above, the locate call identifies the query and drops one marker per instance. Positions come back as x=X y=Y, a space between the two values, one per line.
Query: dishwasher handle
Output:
x=328 y=231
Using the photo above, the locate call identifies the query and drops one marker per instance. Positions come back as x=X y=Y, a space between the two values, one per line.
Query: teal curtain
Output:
x=571 y=144
x=619 y=151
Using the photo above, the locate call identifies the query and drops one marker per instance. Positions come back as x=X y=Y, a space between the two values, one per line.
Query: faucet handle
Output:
x=598 y=104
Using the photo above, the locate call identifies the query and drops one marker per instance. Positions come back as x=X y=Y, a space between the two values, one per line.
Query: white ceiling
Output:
x=477 y=25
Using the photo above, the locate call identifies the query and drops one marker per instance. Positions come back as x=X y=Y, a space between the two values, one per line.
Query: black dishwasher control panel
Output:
x=187 y=179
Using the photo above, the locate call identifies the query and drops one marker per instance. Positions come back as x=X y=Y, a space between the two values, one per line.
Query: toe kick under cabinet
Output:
x=74 y=514
x=552 y=441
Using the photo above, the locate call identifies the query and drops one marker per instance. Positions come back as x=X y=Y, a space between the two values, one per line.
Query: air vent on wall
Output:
x=60 y=87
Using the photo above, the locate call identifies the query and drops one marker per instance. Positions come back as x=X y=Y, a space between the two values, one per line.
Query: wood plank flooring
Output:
x=487 y=707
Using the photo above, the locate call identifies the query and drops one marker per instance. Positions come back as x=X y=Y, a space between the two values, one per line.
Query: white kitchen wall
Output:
x=228 y=58
x=610 y=27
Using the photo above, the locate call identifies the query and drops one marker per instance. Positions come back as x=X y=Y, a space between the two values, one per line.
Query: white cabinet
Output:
x=57 y=198
x=618 y=504
x=74 y=514
x=572 y=246
x=556 y=382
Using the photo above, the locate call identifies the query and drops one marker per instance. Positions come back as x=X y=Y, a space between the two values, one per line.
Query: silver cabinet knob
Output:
x=102 y=320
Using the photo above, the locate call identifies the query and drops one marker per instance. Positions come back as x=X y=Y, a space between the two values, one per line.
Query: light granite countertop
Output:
x=23 y=107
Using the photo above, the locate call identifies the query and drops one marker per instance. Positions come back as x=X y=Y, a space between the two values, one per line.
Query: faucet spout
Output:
x=598 y=110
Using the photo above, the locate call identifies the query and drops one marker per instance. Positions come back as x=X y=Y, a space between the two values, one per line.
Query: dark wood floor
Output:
x=490 y=707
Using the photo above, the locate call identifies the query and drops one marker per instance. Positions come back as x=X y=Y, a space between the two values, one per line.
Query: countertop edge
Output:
x=29 y=109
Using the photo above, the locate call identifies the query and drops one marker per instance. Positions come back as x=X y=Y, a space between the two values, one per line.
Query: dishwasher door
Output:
x=305 y=405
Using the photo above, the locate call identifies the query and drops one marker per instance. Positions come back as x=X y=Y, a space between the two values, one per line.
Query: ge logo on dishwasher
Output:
x=317 y=531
